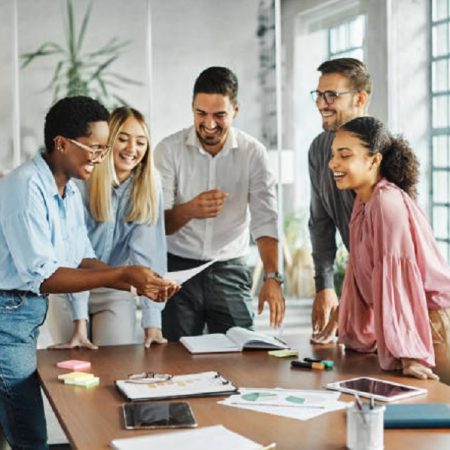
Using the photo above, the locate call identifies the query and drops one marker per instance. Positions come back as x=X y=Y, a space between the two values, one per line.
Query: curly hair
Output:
x=71 y=117
x=217 y=80
x=399 y=163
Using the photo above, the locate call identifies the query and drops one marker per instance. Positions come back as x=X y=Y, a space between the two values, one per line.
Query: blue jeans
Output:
x=22 y=415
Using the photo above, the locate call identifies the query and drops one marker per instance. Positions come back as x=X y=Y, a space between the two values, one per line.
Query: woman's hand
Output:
x=328 y=334
x=153 y=335
x=414 y=368
x=150 y=284
x=79 y=338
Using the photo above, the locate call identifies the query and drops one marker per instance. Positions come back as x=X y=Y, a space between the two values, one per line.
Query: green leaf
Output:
x=84 y=25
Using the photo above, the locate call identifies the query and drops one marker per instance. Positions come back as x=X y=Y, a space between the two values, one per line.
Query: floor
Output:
x=298 y=320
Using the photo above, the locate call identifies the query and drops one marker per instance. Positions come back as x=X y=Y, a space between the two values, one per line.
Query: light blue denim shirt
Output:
x=40 y=231
x=117 y=243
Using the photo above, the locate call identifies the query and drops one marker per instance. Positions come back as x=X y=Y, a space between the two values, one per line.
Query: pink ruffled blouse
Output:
x=395 y=274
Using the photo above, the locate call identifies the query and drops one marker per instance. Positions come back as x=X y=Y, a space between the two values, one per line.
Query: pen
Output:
x=359 y=405
x=237 y=402
x=280 y=340
x=308 y=365
x=326 y=362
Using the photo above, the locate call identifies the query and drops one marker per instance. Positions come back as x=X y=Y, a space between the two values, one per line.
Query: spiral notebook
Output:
x=190 y=385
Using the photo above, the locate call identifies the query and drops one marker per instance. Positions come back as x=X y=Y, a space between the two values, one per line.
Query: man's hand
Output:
x=207 y=204
x=324 y=305
x=79 y=338
x=153 y=335
x=328 y=334
x=149 y=283
x=272 y=294
x=414 y=368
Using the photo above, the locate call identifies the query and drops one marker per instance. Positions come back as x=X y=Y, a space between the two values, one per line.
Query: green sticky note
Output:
x=254 y=396
x=283 y=353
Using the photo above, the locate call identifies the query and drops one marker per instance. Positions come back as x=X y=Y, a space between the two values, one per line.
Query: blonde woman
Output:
x=125 y=221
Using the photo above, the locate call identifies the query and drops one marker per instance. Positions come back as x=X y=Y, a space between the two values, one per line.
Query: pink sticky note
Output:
x=74 y=364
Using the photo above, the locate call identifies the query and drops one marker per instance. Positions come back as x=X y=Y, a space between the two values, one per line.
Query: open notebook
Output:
x=236 y=339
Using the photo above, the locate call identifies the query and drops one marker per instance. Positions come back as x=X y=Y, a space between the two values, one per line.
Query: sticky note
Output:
x=74 y=364
x=75 y=376
x=85 y=382
x=283 y=353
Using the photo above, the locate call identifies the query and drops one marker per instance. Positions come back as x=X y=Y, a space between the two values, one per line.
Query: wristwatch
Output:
x=277 y=276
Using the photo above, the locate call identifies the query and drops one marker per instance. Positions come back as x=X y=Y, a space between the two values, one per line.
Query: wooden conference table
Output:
x=92 y=417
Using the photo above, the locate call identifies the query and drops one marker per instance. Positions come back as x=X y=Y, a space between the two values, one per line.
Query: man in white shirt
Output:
x=217 y=186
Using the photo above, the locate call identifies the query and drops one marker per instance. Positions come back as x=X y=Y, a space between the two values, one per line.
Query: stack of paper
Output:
x=293 y=403
x=217 y=437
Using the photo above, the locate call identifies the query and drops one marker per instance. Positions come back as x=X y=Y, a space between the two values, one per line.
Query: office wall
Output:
x=188 y=39
x=185 y=38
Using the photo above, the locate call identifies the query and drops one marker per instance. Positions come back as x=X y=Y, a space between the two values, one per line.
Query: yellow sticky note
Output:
x=75 y=376
x=283 y=353
x=87 y=383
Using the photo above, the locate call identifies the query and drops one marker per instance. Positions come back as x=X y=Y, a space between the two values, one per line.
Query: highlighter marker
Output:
x=308 y=365
x=326 y=362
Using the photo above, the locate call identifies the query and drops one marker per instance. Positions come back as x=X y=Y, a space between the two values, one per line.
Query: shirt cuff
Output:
x=324 y=281
x=151 y=313
x=79 y=305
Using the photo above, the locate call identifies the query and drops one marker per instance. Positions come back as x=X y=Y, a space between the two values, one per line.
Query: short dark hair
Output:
x=217 y=80
x=70 y=117
x=355 y=70
x=399 y=164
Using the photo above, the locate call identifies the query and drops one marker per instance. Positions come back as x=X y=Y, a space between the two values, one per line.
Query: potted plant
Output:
x=78 y=72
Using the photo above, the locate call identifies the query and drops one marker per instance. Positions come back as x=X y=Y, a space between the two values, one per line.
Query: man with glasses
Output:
x=342 y=94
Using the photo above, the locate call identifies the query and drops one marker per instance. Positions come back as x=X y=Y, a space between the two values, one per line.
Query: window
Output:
x=440 y=124
x=347 y=38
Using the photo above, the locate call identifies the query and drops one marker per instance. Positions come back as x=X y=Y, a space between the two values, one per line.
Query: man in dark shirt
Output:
x=342 y=94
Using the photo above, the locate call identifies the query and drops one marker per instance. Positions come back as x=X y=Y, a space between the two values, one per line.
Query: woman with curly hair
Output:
x=396 y=291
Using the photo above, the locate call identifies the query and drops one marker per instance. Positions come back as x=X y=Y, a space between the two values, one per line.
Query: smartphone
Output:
x=154 y=415
x=386 y=391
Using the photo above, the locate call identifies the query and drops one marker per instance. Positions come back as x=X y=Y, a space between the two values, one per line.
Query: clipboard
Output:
x=201 y=384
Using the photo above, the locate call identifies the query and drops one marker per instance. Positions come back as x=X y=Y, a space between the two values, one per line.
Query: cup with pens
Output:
x=365 y=425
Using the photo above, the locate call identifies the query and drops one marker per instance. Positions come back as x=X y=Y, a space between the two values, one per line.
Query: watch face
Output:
x=275 y=276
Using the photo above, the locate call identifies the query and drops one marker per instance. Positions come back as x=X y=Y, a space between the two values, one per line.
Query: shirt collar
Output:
x=48 y=180
x=230 y=143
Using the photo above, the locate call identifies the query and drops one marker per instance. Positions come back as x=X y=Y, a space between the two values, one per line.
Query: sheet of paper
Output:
x=180 y=276
x=218 y=437
x=296 y=404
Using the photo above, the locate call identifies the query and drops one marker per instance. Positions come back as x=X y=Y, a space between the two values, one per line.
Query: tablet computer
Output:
x=152 y=415
x=385 y=391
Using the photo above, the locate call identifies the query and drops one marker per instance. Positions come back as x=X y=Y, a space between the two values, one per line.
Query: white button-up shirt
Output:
x=241 y=170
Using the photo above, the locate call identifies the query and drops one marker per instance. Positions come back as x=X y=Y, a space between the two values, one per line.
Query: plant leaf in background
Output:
x=78 y=73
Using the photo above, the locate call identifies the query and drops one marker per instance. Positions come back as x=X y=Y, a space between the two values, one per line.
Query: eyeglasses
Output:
x=328 y=96
x=148 y=378
x=98 y=152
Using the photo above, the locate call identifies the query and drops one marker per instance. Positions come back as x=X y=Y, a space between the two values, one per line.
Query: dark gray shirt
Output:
x=330 y=209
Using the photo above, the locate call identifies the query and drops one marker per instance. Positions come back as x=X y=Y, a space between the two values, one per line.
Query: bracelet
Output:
x=133 y=291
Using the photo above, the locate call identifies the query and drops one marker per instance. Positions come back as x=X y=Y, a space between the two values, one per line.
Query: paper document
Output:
x=180 y=276
x=293 y=403
x=190 y=385
x=236 y=339
x=216 y=437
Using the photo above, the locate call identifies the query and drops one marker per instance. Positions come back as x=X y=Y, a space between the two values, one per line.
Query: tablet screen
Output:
x=158 y=415
x=376 y=387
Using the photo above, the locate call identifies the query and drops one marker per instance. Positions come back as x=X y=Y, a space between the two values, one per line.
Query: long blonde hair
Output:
x=143 y=201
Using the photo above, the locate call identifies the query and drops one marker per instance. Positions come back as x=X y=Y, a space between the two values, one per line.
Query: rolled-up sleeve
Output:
x=262 y=197
x=28 y=237
x=148 y=248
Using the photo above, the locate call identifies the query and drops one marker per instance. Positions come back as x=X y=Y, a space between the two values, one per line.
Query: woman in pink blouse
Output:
x=397 y=285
